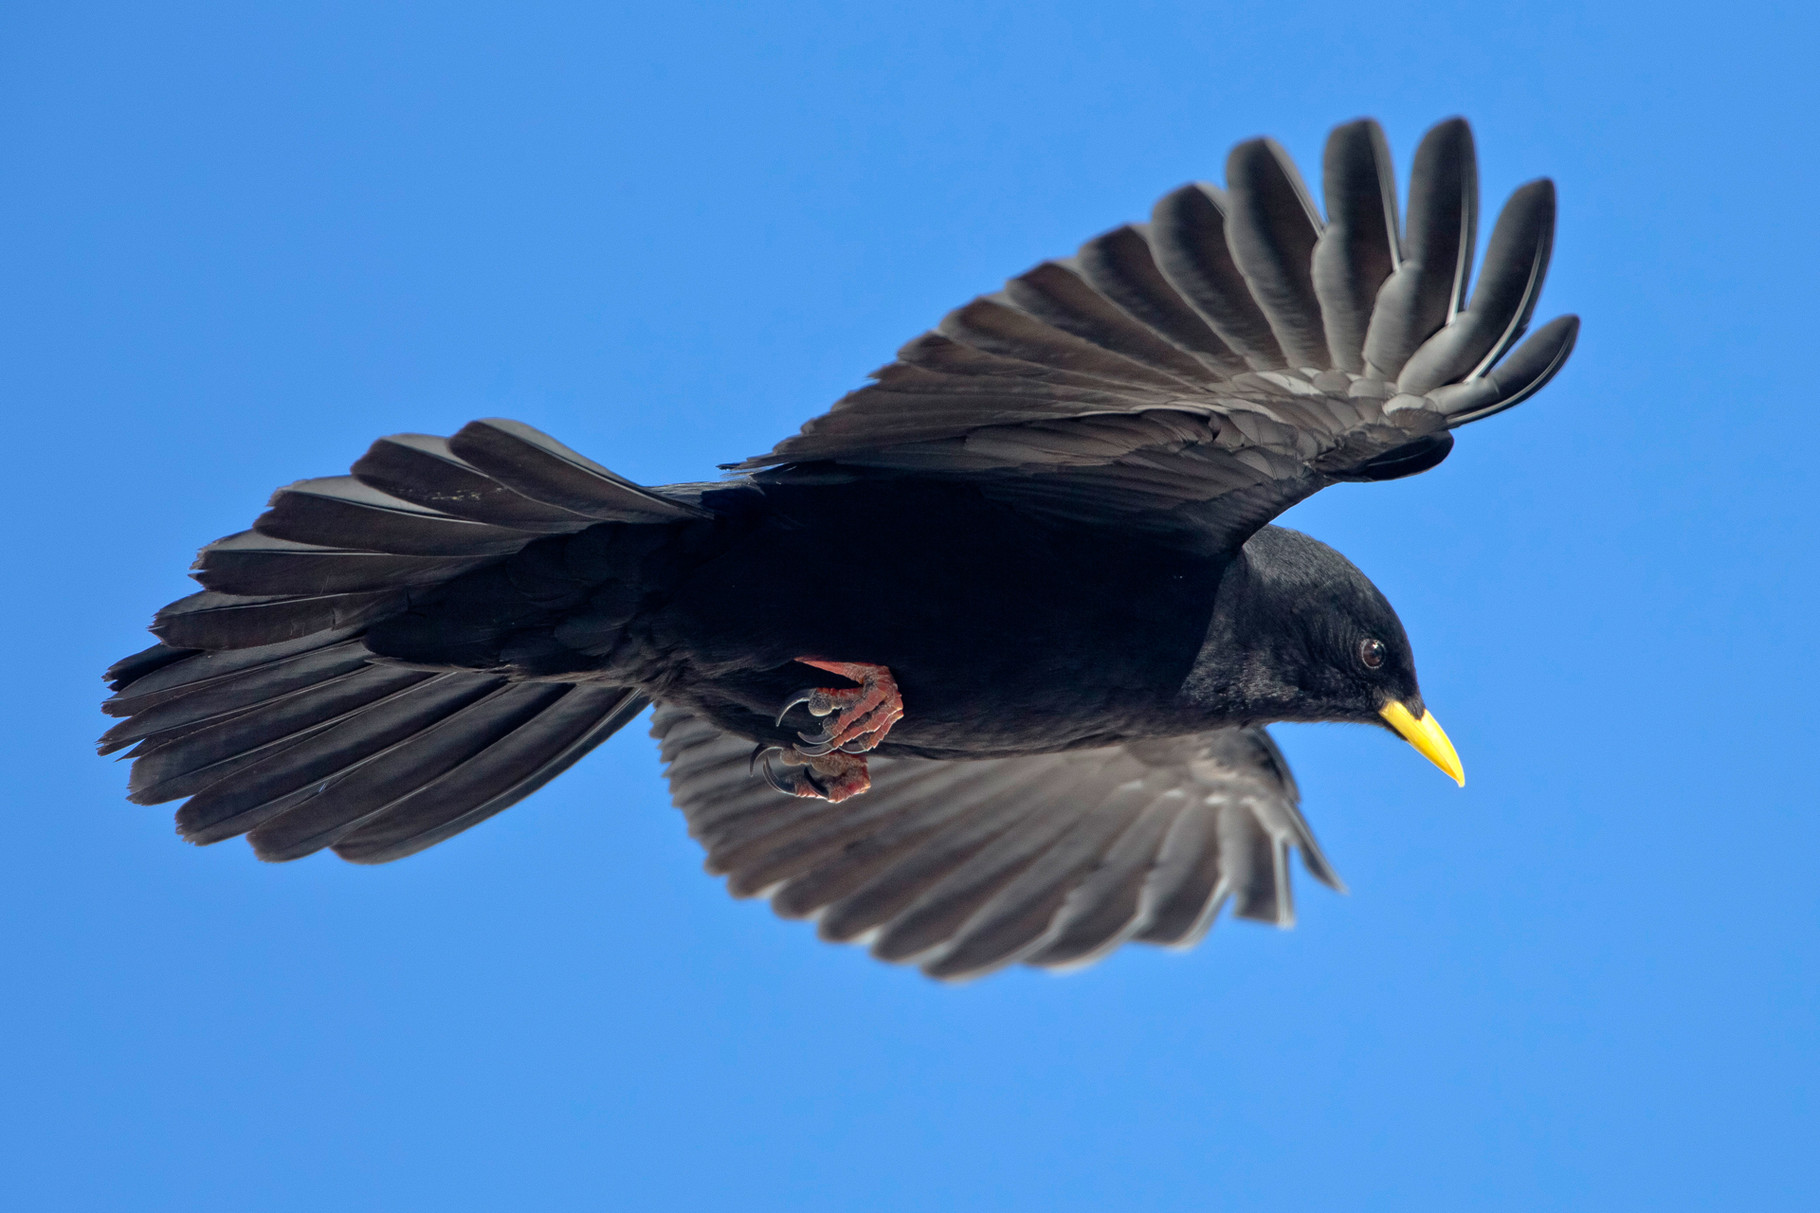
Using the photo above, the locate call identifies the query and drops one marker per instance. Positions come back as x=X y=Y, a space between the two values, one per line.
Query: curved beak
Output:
x=1426 y=736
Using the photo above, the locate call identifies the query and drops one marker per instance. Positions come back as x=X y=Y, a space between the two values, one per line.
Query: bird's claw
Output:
x=830 y=764
x=761 y=757
x=805 y=696
x=865 y=713
x=832 y=777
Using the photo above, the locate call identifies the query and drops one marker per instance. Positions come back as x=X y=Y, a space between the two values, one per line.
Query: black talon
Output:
x=821 y=738
x=761 y=750
x=802 y=696
x=815 y=749
x=764 y=756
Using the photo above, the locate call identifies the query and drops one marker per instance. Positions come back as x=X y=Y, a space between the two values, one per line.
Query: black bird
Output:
x=1020 y=590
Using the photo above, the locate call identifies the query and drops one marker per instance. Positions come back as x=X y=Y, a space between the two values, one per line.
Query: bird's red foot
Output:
x=832 y=777
x=831 y=764
x=865 y=713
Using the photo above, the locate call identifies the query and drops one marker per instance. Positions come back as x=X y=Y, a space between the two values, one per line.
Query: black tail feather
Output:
x=229 y=694
x=496 y=778
x=213 y=621
x=129 y=670
x=263 y=750
x=307 y=747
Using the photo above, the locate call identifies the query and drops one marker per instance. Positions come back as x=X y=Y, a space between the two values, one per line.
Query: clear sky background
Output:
x=237 y=242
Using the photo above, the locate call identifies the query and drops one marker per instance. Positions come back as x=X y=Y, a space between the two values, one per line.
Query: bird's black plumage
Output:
x=1047 y=521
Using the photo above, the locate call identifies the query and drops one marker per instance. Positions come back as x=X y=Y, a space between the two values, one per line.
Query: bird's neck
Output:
x=1235 y=678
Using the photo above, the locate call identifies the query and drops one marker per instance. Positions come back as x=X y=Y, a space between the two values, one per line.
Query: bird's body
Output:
x=1008 y=634
x=1013 y=635
x=1035 y=551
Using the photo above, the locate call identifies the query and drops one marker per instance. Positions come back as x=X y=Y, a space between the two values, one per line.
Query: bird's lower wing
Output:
x=965 y=867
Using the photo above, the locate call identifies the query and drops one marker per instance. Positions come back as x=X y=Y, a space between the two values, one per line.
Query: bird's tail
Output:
x=262 y=704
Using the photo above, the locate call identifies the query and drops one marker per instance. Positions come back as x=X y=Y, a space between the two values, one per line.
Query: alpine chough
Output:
x=1020 y=590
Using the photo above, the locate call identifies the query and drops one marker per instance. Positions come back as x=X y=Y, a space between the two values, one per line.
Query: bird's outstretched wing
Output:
x=1202 y=372
x=1049 y=859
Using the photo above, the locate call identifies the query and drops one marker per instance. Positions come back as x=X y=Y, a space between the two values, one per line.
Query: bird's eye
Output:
x=1371 y=652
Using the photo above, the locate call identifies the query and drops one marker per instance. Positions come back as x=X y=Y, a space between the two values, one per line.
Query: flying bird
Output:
x=976 y=667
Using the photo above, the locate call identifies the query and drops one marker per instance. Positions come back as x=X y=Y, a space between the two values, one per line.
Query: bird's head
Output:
x=1298 y=633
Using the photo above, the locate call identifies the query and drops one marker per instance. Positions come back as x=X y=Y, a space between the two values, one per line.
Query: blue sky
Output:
x=239 y=242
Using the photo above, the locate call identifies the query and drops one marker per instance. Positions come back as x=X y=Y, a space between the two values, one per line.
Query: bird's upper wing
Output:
x=1050 y=859
x=1204 y=371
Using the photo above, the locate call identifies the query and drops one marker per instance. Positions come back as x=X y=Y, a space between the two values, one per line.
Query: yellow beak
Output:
x=1426 y=736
